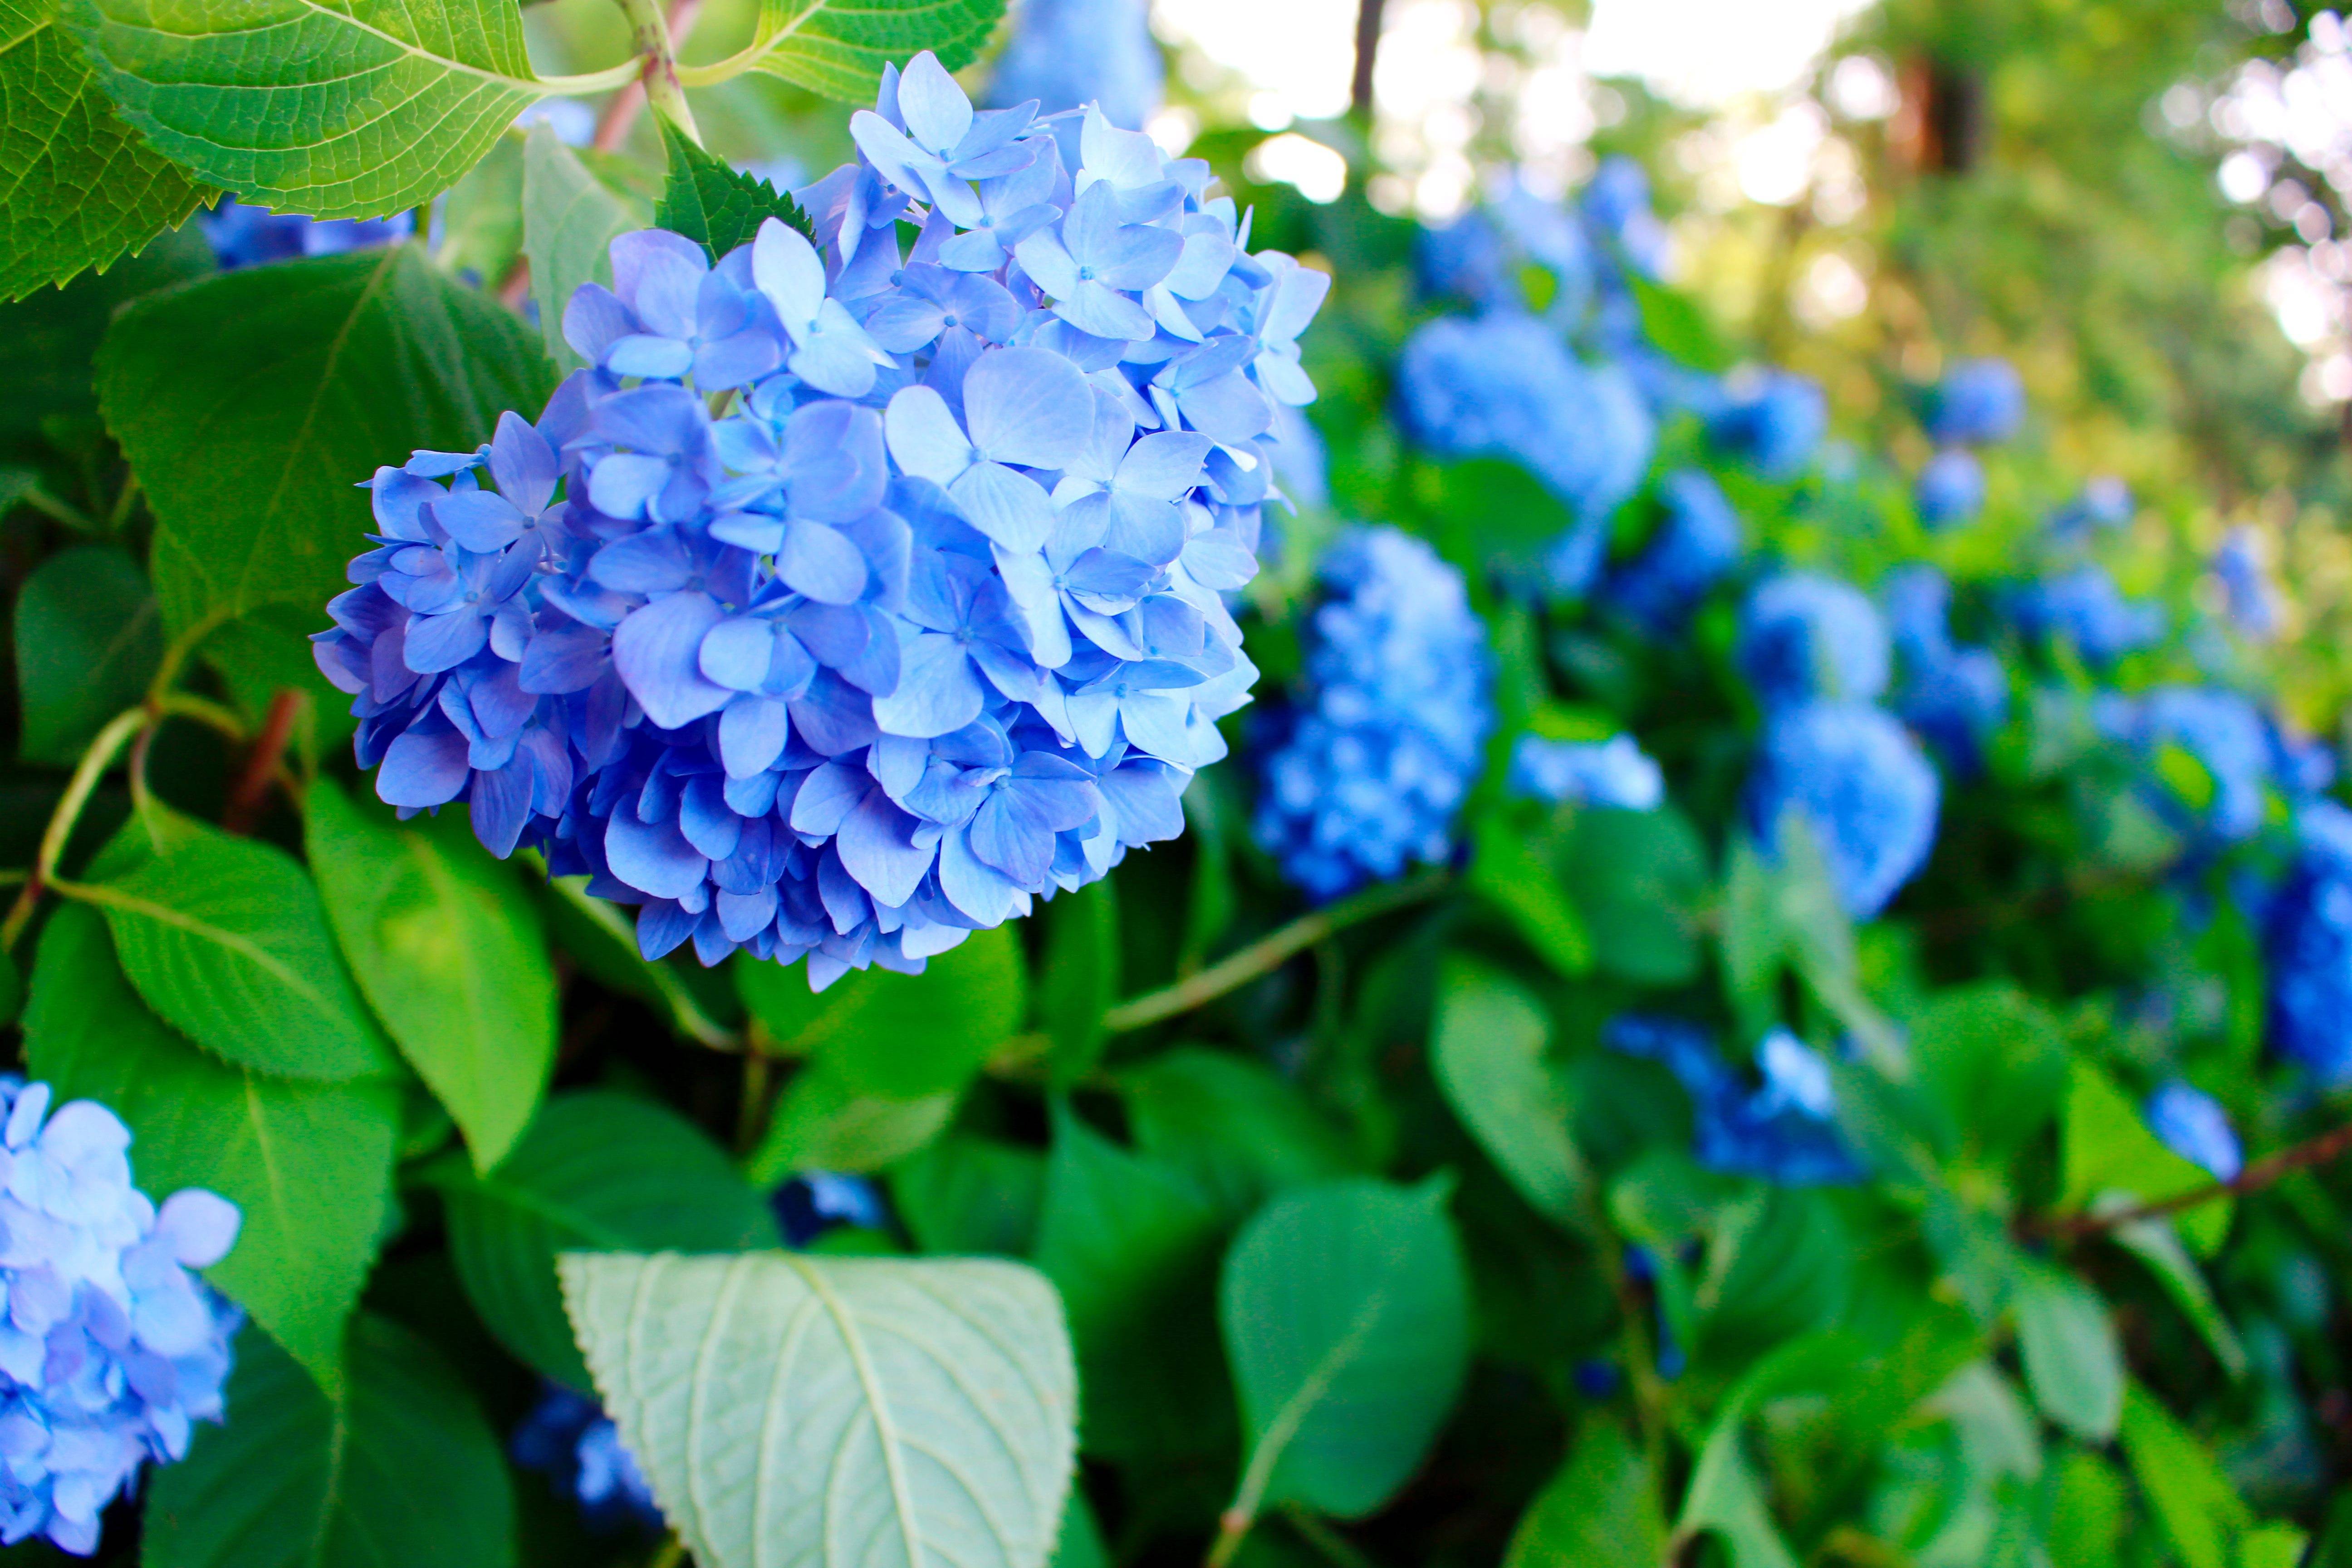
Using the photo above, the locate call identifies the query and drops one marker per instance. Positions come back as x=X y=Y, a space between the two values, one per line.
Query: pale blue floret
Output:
x=1365 y=769
x=2192 y=1124
x=928 y=624
x=1613 y=773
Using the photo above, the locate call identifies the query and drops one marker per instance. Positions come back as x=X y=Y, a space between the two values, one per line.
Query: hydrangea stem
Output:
x=1273 y=950
x=2318 y=1150
x=101 y=753
x=656 y=38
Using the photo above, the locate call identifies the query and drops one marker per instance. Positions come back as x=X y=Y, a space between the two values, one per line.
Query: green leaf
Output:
x=403 y=1469
x=2108 y=1149
x=971 y=1195
x=225 y=938
x=803 y=1412
x=839 y=49
x=311 y=1165
x=1081 y=977
x=1674 y=322
x=570 y=219
x=596 y=1171
x=2090 y=1507
x=716 y=205
x=252 y=403
x=448 y=948
x=898 y=1036
x=479 y=222
x=1725 y=1495
x=1511 y=870
x=1488 y=1051
x=2156 y=1243
x=825 y=1122
x=1132 y=1245
x=1347 y=1318
x=1080 y=1542
x=1995 y=1062
x=47 y=341
x=2199 y=1511
x=81 y=189
x=1780 y=1261
x=357 y=109
x=87 y=645
x=1601 y=1511
x=1639 y=878
x=1240 y=1131
x=2074 y=1363
x=1491 y=511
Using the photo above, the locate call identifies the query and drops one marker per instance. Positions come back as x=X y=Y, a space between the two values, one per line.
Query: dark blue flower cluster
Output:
x=2307 y=942
x=1366 y=767
x=2192 y=1124
x=111 y=1349
x=850 y=600
x=1782 y=1127
x=568 y=1438
x=1980 y=402
x=1954 y=697
x=247 y=236
x=2082 y=607
x=1775 y=419
x=1696 y=544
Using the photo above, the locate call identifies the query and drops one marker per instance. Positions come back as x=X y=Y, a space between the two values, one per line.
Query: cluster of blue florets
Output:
x=111 y=1349
x=1614 y=773
x=926 y=621
x=2307 y=940
x=568 y=1438
x=1953 y=697
x=1781 y=1126
x=1366 y=767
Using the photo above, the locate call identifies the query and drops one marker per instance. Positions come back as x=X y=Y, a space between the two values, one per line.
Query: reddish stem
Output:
x=621 y=110
x=2262 y=1173
x=252 y=789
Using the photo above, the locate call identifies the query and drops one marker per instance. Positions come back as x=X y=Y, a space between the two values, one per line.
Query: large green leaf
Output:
x=78 y=189
x=355 y=110
x=87 y=645
x=1488 y=1050
x=1600 y=1511
x=838 y=47
x=1131 y=1244
x=1995 y=1062
x=798 y=1412
x=715 y=205
x=46 y=343
x=1639 y=876
x=570 y=219
x=252 y=403
x=1239 y=1130
x=1080 y=980
x=311 y=1165
x=898 y=1036
x=2072 y=1361
x=825 y=1122
x=2201 y=1511
x=596 y=1171
x=968 y=1193
x=1347 y=1318
x=448 y=948
x=2109 y=1149
x=403 y=1469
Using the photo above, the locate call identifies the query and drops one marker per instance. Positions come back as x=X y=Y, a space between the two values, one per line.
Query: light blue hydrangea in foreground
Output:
x=2192 y=1124
x=2308 y=946
x=1803 y=636
x=927 y=622
x=1365 y=771
x=111 y=1349
x=1860 y=785
x=1783 y=1128
x=1611 y=772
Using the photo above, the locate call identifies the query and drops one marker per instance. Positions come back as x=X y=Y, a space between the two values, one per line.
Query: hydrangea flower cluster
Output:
x=2105 y=502
x=1774 y=418
x=1803 y=636
x=1063 y=53
x=2248 y=595
x=926 y=621
x=2192 y=1124
x=245 y=236
x=1695 y=545
x=568 y=1438
x=2222 y=731
x=1953 y=697
x=2308 y=946
x=1980 y=402
x=111 y=1349
x=1782 y=1127
x=1364 y=770
x=1951 y=489
x=815 y=1202
x=2083 y=606
x=1611 y=772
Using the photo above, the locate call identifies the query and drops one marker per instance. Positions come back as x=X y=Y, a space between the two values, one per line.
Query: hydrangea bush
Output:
x=1036 y=855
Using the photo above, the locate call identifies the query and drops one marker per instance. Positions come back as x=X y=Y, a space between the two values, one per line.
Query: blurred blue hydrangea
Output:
x=1697 y=545
x=1617 y=201
x=1483 y=255
x=2105 y=502
x=1365 y=769
x=110 y=1348
x=1979 y=402
x=2192 y=1124
x=1611 y=772
x=2307 y=944
x=2225 y=732
x=1953 y=697
x=2083 y=606
x=1803 y=636
x=2248 y=595
x=927 y=622
x=1951 y=489
x=1775 y=419
x=814 y=1202
x=1067 y=54
x=247 y=236
x=2303 y=765
x=568 y=1438
x=1860 y=785
x=1781 y=1128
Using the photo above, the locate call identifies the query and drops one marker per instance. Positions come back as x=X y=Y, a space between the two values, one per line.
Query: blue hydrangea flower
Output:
x=1776 y=420
x=2083 y=606
x=1951 y=489
x=1980 y=401
x=2303 y=765
x=1611 y=772
x=1481 y=254
x=1696 y=546
x=247 y=236
x=2307 y=946
x=2227 y=735
x=1782 y=1127
x=849 y=601
x=2249 y=596
x=111 y=1349
x=1365 y=769
x=2192 y=1124
x=1803 y=636
x=1067 y=54
x=815 y=1202
x=1954 y=698
x=568 y=1438
x=1617 y=202
x=2105 y=502
x=1860 y=785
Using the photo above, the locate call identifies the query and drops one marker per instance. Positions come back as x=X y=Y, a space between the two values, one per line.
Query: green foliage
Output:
x=804 y=1410
x=2073 y=1363
x=251 y=403
x=570 y=219
x=1488 y=1050
x=839 y=49
x=1600 y=1511
x=717 y=206
x=399 y=1468
x=1241 y=1131
x=87 y=645
x=1079 y=980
